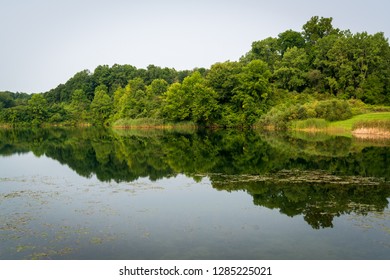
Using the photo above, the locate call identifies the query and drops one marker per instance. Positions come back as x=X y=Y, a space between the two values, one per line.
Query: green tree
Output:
x=63 y=92
x=317 y=28
x=251 y=96
x=154 y=94
x=38 y=108
x=132 y=101
x=289 y=39
x=191 y=100
x=267 y=50
x=176 y=103
x=79 y=106
x=222 y=77
x=101 y=106
x=291 y=71
x=6 y=100
x=204 y=104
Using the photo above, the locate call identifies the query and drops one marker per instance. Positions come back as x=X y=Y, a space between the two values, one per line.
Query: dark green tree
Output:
x=38 y=109
x=317 y=28
x=267 y=50
x=291 y=71
x=251 y=95
x=289 y=39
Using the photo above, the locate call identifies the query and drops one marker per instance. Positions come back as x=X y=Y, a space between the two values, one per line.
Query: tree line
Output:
x=321 y=71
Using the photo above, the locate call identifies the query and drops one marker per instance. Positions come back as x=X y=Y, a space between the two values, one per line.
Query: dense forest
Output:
x=319 y=72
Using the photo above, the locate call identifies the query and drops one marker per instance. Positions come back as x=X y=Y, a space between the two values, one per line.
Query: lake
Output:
x=227 y=194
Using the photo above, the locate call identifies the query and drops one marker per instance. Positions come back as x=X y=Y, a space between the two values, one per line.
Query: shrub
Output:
x=333 y=110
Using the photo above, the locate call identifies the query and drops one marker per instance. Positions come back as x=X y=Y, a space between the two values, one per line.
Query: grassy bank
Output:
x=367 y=119
x=370 y=123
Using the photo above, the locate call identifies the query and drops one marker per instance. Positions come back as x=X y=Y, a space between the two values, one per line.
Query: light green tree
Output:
x=101 y=106
x=79 y=106
x=191 y=100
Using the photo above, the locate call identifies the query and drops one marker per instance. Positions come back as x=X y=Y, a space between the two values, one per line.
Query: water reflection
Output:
x=318 y=176
x=128 y=155
x=191 y=195
x=318 y=202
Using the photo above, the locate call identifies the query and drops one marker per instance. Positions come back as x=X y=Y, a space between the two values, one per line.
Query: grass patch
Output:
x=348 y=125
x=373 y=124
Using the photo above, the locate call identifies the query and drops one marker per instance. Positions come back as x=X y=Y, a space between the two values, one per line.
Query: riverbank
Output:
x=370 y=125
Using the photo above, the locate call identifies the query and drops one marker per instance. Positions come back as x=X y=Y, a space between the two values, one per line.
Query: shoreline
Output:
x=371 y=133
x=362 y=133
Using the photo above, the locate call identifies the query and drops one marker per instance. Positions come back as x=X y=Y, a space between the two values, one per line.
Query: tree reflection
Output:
x=317 y=178
x=318 y=203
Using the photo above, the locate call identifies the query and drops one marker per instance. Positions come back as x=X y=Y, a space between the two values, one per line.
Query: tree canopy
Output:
x=320 y=62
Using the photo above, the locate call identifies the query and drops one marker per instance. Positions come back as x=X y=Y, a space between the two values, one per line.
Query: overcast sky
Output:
x=45 y=42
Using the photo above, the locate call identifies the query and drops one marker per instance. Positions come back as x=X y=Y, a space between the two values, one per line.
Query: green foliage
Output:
x=79 y=106
x=62 y=93
x=37 y=107
x=317 y=28
x=296 y=76
x=290 y=39
x=293 y=174
x=101 y=106
x=311 y=123
x=192 y=100
x=141 y=122
x=222 y=77
x=369 y=117
x=379 y=124
x=176 y=103
x=251 y=95
x=204 y=105
x=292 y=69
x=331 y=110
x=6 y=100
x=267 y=50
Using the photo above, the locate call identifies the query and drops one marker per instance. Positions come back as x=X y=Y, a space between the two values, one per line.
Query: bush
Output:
x=273 y=119
x=333 y=110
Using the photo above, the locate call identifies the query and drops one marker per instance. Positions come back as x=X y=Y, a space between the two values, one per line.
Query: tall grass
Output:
x=310 y=124
x=142 y=122
x=149 y=123
x=378 y=124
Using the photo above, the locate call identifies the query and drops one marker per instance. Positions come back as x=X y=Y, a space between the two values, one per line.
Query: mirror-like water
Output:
x=92 y=194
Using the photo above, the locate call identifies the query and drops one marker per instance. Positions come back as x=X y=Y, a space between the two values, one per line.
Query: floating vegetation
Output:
x=372 y=221
x=297 y=177
x=32 y=227
x=150 y=197
x=50 y=253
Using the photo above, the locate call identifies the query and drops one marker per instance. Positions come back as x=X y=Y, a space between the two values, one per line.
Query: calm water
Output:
x=93 y=194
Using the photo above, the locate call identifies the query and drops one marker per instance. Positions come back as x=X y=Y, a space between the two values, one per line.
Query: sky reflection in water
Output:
x=235 y=207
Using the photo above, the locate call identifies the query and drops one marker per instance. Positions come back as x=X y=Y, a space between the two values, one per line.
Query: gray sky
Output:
x=45 y=42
